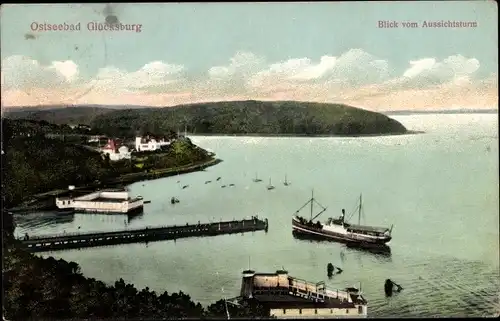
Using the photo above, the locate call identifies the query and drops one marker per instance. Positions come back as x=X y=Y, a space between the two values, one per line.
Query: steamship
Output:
x=339 y=229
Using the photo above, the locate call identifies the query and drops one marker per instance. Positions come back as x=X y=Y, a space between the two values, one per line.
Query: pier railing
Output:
x=318 y=290
x=134 y=230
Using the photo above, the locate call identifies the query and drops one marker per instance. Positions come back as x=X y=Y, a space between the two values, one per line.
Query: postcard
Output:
x=274 y=160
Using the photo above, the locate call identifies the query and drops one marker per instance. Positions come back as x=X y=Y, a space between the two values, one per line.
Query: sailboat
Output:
x=256 y=179
x=270 y=186
x=339 y=230
x=286 y=183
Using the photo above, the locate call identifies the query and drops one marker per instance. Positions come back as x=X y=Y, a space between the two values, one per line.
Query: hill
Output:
x=228 y=117
x=250 y=117
x=34 y=164
x=58 y=115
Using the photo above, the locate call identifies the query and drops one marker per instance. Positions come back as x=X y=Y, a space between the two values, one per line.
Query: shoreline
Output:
x=46 y=202
x=409 y=132
x=161 y=173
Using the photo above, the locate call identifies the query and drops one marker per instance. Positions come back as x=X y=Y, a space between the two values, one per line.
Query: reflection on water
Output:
x=33 y=221
x=382 y=251
x=376 y=255
x=133 y=217
x=54 y=223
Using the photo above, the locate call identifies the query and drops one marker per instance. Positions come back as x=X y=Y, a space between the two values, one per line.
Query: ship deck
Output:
x=108 y=200
x=366 y=228
x=283 y=301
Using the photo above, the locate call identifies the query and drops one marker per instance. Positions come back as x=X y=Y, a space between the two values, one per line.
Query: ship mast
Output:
x=312 y=200
x=359 y=211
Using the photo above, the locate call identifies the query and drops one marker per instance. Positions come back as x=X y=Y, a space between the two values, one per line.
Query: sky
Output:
x=178 y=53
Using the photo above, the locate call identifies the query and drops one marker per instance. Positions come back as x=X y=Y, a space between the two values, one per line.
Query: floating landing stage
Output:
x=81 y=240
x=106 y=201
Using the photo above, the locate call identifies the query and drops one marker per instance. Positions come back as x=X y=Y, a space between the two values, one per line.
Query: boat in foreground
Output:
x=283 y=296
x=339 y=230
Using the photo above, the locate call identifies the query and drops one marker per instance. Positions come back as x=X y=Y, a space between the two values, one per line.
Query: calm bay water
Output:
x=439 y=189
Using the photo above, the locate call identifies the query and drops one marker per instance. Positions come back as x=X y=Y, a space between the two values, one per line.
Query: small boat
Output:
x=218 y=178
x=231 y=185
x=270 y=186
x=332 y=269
x=257 y=179
x=147 y=202
x=207 y=182
x=185 y=186
x=174 y=200
x=286 y=183
x=223 y=186
x=339 y=230
x=390 y=286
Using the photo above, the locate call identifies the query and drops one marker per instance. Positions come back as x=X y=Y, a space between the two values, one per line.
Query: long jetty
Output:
x=145 y=235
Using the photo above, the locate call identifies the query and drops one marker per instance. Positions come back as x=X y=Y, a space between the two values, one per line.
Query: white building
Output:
x=145 y=144
x=114 y=155
x=123 y=153
x=106 y=201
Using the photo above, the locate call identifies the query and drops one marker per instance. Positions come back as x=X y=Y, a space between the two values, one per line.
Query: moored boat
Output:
x=286 y=182
x=282 y=296
x=270 y=186
x=257 y=179
x=339 y=229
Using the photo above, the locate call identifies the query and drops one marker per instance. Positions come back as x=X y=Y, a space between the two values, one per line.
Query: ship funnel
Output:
x=248 y=273
x=247 y=284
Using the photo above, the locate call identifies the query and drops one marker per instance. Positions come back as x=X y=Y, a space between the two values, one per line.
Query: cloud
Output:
x=354 y=77
x=357 y=67
x=232 y=78
x=428 y=72
x=353 y=68
x=156 y=74
x=20 y=72
x=242 y=65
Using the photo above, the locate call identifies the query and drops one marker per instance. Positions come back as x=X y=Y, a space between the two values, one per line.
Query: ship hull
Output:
x=352 y=241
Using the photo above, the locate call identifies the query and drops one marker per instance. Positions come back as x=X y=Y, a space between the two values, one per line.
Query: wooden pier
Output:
x=145 y=235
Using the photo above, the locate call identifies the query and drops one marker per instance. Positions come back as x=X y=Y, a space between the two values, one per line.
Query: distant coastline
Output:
x=447 y=111
x=409 y=132
x=8 y=109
